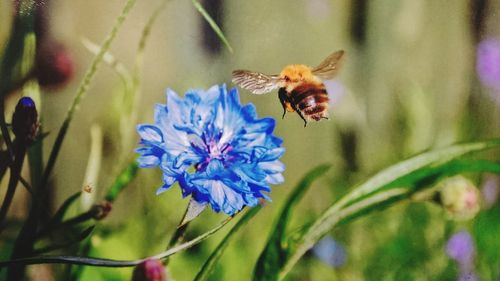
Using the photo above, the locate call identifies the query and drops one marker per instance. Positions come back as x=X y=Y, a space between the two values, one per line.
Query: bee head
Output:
x=295 y=73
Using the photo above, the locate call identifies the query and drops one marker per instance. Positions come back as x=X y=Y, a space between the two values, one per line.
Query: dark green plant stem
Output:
x=35 y=158
x=109 y=262
x=22 y=25
x=84 y=234
x=15 y=171
x=4 y=163
x=83 y=217
x=178 y=235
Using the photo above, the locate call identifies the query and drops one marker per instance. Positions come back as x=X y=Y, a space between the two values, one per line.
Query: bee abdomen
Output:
x=311 y=100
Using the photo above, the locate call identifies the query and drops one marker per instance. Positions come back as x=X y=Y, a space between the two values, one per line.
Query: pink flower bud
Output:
x=460 y=197
x=149 y=270
x=102 y=210
x=54 y=64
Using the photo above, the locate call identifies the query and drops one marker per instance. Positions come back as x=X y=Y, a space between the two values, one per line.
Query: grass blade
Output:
x=212 y=24
x=83 y=88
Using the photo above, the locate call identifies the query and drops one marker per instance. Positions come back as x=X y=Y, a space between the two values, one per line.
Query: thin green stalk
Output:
x=109 y=262
x=212 y=24
x=82 y=90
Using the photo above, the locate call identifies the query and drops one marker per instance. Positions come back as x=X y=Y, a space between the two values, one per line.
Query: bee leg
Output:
x=305 y=122
x=300 y=114
x=283 y=100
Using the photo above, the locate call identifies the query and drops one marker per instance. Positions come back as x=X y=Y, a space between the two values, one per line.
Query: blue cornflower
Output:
x=216 y=149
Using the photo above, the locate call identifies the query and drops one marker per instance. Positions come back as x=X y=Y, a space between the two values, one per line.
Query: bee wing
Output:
x=329 y=67
x=255 y=82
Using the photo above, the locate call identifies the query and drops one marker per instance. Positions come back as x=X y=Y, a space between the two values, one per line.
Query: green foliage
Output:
x=275 y=253
x=209 y=266
x=405 y=81
x=59 y=215
x=122 y=181
x=365 y=195
x=485 y=230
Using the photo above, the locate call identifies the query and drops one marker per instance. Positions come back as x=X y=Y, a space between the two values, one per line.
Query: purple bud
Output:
x=330 y=251
x=460 y=247
x=149 y=270
x=491 y=190
x=488 y=64
x=25 y=120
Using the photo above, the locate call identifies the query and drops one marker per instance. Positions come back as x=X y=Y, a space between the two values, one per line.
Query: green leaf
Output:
x=410 y=165
x=333 y=215
x=65 y=244
x=430 y=175
x=209 y=265
x=274 y=255
x=212 y=24
x=59 y=215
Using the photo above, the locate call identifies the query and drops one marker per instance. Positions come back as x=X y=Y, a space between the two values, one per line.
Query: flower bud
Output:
x=54 y=64
x=102 y=210
x=25 y=120
x=149 y=270
x=460 y=197
x=491 y=190
x=461 y=248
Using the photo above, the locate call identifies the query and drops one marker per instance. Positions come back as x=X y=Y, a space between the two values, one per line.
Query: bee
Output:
x=300 y=87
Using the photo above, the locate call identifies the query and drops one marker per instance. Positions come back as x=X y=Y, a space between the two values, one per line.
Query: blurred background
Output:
x=417 y=75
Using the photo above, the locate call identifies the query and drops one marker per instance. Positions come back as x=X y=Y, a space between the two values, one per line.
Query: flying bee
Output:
x=301 y=87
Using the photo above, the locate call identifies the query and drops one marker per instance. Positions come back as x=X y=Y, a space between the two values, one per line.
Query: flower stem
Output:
x=178 y=235
x=109 y=262
x=15 y=171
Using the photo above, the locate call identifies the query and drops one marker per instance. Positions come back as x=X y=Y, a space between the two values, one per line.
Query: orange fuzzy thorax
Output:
x=294 y=74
